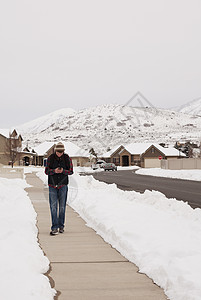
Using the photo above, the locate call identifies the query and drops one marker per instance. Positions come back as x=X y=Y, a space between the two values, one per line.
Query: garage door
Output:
x=152 y=163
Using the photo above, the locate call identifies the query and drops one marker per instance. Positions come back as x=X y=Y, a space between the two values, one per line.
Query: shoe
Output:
x=61 y=230
x=54 y=232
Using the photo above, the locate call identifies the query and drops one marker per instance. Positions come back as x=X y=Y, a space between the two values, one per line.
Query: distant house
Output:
x=11 y=142
x=29 y=156
x=79 y=156
x=140 y=154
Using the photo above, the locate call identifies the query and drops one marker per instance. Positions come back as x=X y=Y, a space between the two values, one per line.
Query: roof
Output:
x=75 y=151
x=70 y=148
x=109 y=153
x=43 y=148
x=140 y=148
x=171 y=151
x=5 y=132
x=137 y=148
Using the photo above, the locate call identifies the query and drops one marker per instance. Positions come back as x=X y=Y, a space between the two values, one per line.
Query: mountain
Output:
x=105 y=126
x=192 y=107
x=47 y=121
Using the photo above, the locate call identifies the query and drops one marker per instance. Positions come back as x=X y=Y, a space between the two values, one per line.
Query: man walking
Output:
x=59 y=166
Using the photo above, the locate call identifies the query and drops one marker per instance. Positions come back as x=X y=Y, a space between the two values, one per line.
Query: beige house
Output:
x=79 y=157
x=11 y=148
x=140 y=154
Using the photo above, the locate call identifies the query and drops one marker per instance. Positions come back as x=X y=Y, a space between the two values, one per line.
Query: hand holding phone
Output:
x=59 y=170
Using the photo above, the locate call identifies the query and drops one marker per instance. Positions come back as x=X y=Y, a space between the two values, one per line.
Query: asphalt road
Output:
x=185 y=190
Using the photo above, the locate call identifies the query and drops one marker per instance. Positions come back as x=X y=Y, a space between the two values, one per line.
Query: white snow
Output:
x=180 y=174
x=119 y=168
x=161 y=236
x=192 y=108
x=22 y=261
x=44 y=122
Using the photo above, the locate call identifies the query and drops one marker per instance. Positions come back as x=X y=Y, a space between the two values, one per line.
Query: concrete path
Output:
x=83 y=266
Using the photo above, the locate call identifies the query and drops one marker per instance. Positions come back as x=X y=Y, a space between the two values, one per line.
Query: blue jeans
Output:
x=58 y=197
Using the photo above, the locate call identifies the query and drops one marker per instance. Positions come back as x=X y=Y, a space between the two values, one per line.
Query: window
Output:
x=152 y=150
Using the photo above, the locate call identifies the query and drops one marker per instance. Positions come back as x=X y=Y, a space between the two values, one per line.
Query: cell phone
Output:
x=59 y=168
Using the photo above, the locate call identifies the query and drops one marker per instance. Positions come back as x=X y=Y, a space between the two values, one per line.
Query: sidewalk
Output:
x=83 y=266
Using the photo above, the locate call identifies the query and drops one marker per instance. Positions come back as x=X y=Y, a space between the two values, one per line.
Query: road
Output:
x=185 y=190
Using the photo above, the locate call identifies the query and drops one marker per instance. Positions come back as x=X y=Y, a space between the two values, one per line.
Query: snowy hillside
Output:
x=105 y=126
x=47 y=121
x=191 y=108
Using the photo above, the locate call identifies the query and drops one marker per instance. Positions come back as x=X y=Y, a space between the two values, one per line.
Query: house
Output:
x=11 y=148
x=146 y=155
x=29 y=156
x=79 y=156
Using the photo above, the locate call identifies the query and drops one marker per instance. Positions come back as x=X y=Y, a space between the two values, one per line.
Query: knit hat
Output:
x=59 y=147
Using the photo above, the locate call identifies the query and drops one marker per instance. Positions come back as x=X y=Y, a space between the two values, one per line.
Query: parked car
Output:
x=99 y=164
x=109 y=166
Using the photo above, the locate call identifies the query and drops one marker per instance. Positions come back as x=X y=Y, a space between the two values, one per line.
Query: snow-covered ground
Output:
x=180 y=174
x=161 y=236
x=119 y=168
x=22 y=261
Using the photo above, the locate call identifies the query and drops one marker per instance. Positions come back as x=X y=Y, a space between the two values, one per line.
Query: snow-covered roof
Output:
x=43 y=148
x=137 y=148
x=171 y=151
x=5 y=132
x=109 y=153
x=74 y=151
x=140 y=148
x=70 y=148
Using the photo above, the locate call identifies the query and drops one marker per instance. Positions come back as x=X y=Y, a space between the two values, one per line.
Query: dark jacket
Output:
x=53 y=162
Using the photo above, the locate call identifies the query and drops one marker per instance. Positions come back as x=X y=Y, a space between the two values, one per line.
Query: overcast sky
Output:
x=83 y=53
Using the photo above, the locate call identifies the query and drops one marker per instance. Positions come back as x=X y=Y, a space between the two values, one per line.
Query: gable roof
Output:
x=5 y=132
x=109 y=153
x=137 y=148
x=75 y=151
x=43 y=148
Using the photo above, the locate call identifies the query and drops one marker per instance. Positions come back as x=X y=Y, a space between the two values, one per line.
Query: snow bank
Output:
x=161 y=236
x=180 y=174
x=21 y=258
x=119 y=168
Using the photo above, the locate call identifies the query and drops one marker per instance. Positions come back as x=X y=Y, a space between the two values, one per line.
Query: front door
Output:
x=125 y=160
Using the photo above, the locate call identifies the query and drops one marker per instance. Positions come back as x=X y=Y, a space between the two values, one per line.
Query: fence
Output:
x=182 y=163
